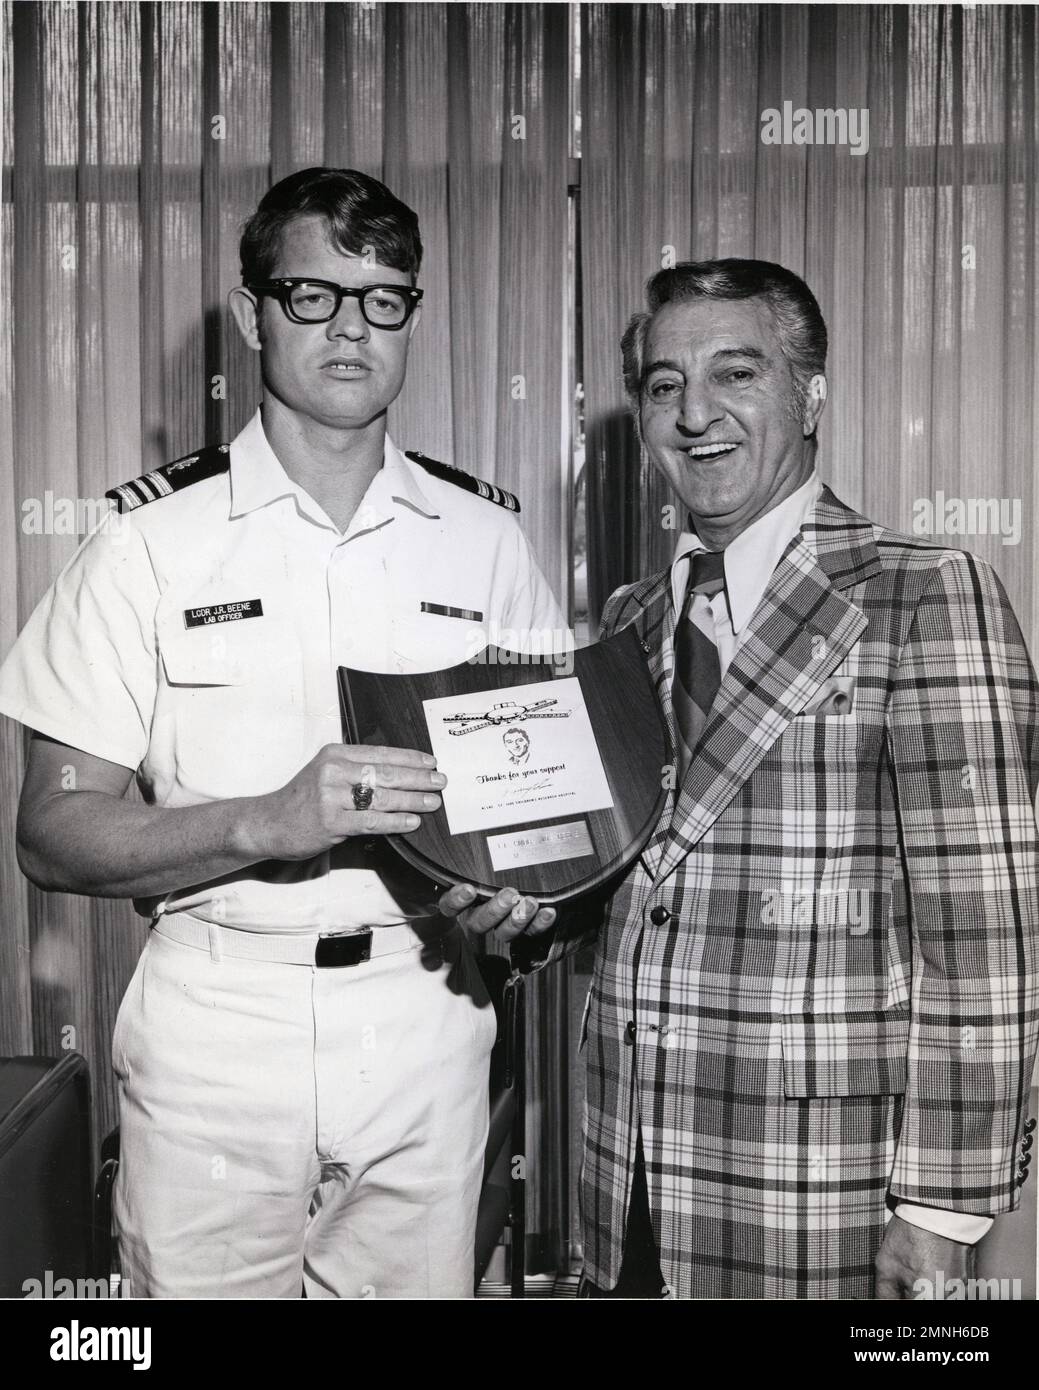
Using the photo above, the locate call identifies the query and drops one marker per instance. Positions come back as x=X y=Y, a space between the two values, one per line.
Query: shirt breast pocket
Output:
x=436 y=640
x=208 y=658
x=232 y=710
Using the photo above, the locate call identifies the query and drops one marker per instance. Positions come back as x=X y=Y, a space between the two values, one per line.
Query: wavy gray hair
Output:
x=799 y=321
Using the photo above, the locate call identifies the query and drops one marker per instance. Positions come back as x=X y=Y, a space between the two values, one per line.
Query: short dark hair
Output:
x=799 y=321
x=360 y=211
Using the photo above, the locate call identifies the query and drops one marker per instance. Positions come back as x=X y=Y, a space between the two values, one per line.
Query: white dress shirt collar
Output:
x=752 y=557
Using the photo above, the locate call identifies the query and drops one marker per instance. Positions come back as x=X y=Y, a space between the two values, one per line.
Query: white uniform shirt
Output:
x=109 y=664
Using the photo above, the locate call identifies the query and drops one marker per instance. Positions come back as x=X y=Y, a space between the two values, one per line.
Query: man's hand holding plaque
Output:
x=508 y=914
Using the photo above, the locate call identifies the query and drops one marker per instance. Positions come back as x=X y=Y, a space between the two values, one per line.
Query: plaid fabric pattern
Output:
x=840 y=1009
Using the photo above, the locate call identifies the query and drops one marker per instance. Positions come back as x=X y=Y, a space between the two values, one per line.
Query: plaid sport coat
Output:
x=836 y=1006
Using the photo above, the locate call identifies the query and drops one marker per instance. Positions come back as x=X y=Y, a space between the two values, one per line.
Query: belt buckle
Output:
x=335 y=950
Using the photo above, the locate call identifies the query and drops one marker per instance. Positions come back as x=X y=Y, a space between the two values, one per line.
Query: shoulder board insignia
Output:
x=447 y=474
x=171 y=477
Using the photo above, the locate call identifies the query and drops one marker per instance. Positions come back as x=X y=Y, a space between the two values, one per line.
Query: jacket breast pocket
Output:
x=849 y=1054
x=435 y=640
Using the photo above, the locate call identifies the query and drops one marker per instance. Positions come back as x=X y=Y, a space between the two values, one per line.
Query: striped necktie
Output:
x=697 y=668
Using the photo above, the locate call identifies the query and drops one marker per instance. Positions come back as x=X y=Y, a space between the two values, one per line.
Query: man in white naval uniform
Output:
x=303 y=1074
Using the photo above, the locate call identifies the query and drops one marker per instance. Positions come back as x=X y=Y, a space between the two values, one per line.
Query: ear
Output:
x=815 y=404
x=246 y=311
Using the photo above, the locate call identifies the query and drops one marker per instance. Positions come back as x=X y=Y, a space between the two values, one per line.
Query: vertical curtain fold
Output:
x=475 y=123
x=151 y=198
x=211 y=143
x=22 y=364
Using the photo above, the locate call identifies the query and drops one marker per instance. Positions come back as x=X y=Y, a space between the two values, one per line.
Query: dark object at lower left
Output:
x=46 y=1183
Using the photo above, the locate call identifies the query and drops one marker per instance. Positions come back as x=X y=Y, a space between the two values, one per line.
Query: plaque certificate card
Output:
x=526 y=755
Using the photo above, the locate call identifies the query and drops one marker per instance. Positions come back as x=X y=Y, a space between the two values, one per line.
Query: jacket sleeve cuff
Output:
x=953 y=1225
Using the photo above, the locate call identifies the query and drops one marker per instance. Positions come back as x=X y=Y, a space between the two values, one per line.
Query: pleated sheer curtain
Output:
x=137 y=137
x=922 y=252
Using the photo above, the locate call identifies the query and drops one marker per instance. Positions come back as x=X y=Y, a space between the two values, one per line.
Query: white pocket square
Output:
x=836 y=697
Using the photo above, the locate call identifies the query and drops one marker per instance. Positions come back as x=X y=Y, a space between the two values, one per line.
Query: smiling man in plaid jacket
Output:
x=813 y=1017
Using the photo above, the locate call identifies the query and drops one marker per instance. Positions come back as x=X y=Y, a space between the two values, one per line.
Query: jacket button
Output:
x=659 y=916
x=629 y=1031
x=1026 y=1143
x=1029 y=1126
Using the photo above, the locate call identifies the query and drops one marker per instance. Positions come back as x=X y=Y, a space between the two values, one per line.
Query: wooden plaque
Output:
x=552 y=857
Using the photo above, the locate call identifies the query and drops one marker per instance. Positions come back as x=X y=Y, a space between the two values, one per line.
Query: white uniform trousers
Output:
x=287 y=1127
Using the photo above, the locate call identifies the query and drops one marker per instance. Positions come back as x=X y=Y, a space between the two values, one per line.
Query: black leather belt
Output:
x=348 y=948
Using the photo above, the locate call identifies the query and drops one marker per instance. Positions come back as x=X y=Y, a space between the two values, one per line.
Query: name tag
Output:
x=223 y=613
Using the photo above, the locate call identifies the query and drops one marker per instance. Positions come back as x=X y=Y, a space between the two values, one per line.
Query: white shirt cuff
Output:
x=953 y=1225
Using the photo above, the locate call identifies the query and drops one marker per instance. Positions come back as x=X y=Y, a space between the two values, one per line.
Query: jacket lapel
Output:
x=648 y=606
x=800 y=633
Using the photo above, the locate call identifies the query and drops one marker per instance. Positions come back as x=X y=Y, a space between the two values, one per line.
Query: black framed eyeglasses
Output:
x=318 y=301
